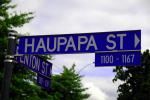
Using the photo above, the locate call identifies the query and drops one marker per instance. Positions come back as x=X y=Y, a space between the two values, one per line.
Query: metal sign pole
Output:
x=8 y=65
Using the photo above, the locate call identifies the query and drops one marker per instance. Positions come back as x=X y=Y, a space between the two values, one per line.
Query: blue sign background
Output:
x=99 y=37
x=33 y=62
x=125 y=58
x=43 y=81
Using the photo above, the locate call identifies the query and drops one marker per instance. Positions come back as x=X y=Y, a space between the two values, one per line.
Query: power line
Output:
x=54 y=65
x=85 y=67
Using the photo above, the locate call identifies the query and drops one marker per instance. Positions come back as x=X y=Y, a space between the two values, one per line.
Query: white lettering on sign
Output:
x=48 y=45
x=44 y=67
x=107 y=59
x=82 y=40
x=35 y=64
x=40 y=45
x=110 y=40
x=26 y=59
x=70 y=44
x=91 y=43
x=66 y=43
x=40 y=80
x=29 y=45
x=121 y=39
x=46 y=83
x=61 y=41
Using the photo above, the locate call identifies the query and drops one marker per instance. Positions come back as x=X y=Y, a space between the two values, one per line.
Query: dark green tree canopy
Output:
x=9 y=21
x=136 y=80
x=68 y=84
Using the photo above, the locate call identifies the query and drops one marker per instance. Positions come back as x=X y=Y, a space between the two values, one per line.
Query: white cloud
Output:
x=101 y=88
x=95 y=92
x=27 y=5
x=72 y=16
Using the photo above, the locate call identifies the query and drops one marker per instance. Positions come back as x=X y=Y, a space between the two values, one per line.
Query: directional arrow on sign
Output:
x=80 y=43
x=136 y=40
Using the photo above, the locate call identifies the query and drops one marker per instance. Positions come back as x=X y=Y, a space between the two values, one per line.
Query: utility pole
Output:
x=8 y=65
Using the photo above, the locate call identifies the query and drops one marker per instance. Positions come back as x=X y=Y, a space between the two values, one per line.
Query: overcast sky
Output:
x=79 y=16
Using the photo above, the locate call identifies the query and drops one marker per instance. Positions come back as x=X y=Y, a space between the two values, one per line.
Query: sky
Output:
x=80 y=16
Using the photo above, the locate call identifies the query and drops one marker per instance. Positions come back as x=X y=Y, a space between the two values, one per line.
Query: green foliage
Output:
x=10 y=20
x=136 y=80
x=67 y=85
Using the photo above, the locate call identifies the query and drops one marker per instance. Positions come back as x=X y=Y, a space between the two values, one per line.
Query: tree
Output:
x=135 y=80
x=9 y=21
x=67 y=85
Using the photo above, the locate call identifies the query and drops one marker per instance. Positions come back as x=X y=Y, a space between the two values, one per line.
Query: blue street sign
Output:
x=80 y=43
x=124 y=58
x=36 y=64
x=43 y=81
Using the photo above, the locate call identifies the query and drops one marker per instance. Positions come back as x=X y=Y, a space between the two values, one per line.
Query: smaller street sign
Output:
x=36 y=64
x=43 y=81
x=118 y=58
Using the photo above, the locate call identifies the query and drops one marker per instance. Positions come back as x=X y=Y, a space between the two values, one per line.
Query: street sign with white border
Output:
x=118 y=58
x=36 y=64
x=80 y=43
x=43 y=81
